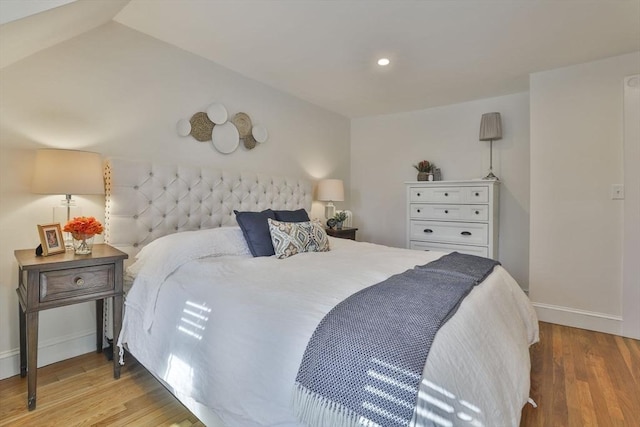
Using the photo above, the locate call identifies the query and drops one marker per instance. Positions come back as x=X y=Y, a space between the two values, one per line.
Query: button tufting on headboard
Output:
x=145 y=200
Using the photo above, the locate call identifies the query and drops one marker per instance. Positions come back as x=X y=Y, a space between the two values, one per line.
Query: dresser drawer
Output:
x=475 y=194
x=450 y=212
x=436 y=195
x=61 y=284
x=450 y=232
x=482 y=251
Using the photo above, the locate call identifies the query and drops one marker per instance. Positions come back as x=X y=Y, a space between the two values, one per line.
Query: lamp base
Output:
x=329 y=210
x=491 y=177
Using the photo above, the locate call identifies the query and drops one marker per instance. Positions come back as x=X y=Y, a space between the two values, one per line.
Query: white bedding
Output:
x=229 y=331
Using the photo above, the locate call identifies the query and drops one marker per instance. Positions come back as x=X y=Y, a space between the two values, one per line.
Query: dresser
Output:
x=451 y=216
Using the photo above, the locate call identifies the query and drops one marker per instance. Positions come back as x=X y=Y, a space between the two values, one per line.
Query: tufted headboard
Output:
x=145 y=200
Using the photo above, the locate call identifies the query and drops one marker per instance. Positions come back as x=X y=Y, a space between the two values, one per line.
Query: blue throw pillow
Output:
x=292 y=216
x=255 y=228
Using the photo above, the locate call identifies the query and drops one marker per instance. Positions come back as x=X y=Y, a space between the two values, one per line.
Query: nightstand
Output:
x=65 y=279
x=344 y=233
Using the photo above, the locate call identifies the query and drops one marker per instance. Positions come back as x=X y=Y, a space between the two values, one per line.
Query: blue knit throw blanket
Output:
x=364 y=361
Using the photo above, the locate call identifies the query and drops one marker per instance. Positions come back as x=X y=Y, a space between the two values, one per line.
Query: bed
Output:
x=226 y=332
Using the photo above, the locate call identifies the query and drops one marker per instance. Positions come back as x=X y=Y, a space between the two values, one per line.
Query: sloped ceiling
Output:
x=441 y=51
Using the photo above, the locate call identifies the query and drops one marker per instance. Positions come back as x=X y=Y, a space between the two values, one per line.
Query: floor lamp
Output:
x=490 y=130
x=67 y=172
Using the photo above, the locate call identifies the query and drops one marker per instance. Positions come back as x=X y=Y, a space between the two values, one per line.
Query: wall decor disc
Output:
x=259 y=132
x=243 y=123
x=225 y=138
x=201 y=127
x=183 y=127
x=217 y=113
x=249 y=142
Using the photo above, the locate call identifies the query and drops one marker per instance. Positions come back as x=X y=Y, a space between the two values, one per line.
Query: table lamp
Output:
x=330 y=190
x=67 y=172
x=490 y=130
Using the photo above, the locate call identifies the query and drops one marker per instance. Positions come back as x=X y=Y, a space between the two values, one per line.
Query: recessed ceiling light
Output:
x=383 y=61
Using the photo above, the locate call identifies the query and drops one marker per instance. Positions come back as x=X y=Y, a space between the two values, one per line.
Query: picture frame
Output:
x=51 y=239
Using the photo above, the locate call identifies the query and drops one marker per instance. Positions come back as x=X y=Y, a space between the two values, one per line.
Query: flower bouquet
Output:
x=83 y=229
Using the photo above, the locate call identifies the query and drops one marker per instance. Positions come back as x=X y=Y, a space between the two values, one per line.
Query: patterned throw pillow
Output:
x=290 y=238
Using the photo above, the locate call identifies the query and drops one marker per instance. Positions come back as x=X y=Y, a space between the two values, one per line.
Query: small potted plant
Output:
x=339 y=218
x=424 y=168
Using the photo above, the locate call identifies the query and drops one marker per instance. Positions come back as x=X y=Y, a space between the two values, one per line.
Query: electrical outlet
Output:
x=617 y=192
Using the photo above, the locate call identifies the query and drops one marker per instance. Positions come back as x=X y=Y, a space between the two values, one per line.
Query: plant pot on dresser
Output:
x=451 y=216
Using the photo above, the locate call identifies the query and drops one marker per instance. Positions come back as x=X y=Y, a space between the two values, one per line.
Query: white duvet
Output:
x=228 y=331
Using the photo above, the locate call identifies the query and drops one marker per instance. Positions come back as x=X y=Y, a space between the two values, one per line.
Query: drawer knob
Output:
x=418 y=211
x=428 y=230
x=477 y=212
x=446 y=211
x=477 y=194
x=79 y=281
x=418 y=194
x=466 y=233
x=446 y=194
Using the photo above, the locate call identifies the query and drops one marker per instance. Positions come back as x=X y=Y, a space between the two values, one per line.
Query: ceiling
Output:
x=325 y=52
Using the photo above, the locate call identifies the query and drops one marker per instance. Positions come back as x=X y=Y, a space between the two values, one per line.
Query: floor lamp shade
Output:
x=67 y=172
x=330 y=190
x=490 y=130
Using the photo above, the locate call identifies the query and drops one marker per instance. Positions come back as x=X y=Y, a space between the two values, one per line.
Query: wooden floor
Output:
x=583 y=378
x=579 y=378
x=82 y=392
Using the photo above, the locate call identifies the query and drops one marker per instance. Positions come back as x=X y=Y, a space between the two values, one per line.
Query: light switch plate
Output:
x=617 y=192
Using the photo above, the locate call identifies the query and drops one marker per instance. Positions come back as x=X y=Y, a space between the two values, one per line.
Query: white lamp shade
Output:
x=67 y=172
x=331 y=190
x=490 y=127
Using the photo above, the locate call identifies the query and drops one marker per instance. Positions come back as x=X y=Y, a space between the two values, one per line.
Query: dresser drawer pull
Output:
x=477 y=212
x=477 y=194
x=418 y=194
x=79 y=281
x=428 y=230
x=466 y=233
x=446 y=194
x=446 y=211
x=418 y=211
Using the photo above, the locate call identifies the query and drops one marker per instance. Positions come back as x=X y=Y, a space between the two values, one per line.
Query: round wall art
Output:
x=217 y=113
x=243 y=123
x=201 y=127
x=260 y=134
x=225 y=138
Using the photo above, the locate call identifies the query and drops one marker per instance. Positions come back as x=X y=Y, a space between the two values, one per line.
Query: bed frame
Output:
x=146 y=200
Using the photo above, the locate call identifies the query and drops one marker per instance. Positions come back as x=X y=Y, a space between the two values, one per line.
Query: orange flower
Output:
x=83 y=226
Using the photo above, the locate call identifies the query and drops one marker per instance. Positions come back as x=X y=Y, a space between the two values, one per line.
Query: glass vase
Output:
x=83 y=244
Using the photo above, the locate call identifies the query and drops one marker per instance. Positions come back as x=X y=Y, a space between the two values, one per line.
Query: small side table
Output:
x=65 y=279
x=343 y=233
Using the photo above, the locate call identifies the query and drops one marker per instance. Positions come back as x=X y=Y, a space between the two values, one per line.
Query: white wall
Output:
x=576 y=228
x=120 y=93
x=384 y=148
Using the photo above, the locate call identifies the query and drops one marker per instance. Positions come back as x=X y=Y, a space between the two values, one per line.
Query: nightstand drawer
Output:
x=61 y=284
x=450 y=212
x=450 y=232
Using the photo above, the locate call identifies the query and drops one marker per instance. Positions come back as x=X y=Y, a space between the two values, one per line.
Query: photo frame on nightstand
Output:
x=51 y=239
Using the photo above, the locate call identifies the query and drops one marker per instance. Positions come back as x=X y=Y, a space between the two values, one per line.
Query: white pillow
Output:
x=157 y=260
x=165 y=254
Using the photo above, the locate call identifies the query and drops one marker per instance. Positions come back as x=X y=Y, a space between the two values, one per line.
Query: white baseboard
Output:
x=576 y=318
x=50 y=351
